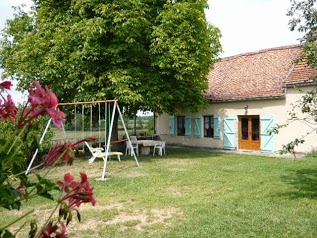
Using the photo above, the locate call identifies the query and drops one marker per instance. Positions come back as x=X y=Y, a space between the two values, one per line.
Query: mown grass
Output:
x=196 y=194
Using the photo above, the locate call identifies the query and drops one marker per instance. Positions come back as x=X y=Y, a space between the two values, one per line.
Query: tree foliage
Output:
x=304 y=19
x=149 y=54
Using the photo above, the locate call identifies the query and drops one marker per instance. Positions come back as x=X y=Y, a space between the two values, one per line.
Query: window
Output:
x=209 y=126
x=181 y=125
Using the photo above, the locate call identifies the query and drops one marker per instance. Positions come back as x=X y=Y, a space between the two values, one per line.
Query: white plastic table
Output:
x=145 y=145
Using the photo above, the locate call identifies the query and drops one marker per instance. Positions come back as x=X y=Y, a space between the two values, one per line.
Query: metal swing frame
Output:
x=107 y=135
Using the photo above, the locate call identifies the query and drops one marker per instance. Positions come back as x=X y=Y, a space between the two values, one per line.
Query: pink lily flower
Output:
x=43 y=102
x=76 y=192
x=66 y=149
x=8 y=110
x=52 y=231
x=5 y=85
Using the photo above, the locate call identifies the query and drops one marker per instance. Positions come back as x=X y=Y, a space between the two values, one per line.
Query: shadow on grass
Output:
x=303 y=182
x=171 y=153
x=192 y=153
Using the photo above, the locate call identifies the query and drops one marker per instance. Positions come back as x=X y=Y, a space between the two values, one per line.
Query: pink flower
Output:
x=69 y=185
x=43 y=102
x=64 y=152
x=5 y=85
x=85 y=193
x=21 y=189
x=8 y=110
x=51 y=230
x=76 y=192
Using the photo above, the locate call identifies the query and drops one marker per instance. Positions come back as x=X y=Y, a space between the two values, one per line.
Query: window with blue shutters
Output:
x=212 y=126
x=217 y=126
x=229 y=136
x=209 y=126
x=188 y=126
x=267 y=138
x=197 y=127
x=181 y=125
x=172 y=126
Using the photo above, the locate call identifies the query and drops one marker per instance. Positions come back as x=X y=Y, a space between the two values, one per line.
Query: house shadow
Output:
x=304 y=183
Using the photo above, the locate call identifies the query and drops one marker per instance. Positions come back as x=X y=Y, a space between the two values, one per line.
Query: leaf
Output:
x=78 y=215
x=6 y=234
x=69 y=218
x=33 y=229
x=45 y=186
x=9 y=197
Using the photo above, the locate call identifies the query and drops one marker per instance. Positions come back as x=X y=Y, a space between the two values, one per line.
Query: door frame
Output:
x=249 y=144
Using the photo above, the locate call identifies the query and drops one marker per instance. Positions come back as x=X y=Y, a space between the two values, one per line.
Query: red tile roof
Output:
x=261 y=74
x=301 y=73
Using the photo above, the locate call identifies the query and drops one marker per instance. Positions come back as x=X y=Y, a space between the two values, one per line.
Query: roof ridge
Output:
x=289 y=73
x=261 y=51
x=259 y=74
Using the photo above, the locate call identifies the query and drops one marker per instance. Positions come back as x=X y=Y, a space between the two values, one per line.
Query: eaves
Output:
x=246 y=99
x=303 y=83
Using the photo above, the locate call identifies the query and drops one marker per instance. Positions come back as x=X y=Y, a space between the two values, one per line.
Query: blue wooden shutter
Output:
x=267 y=140
x=229 y=137
x=217 y=126
x=197 y=126
x=172 y=125
x=188 y=126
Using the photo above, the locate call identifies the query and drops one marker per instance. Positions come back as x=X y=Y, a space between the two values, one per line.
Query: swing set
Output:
x=105 y=139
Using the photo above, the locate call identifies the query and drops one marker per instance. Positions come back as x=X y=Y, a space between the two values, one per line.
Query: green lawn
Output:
x=196 y=194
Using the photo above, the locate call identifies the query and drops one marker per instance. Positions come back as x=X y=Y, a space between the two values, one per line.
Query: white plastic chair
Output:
x=133 y=138
x=130 y=147
x=160 y=147
x=98 y=153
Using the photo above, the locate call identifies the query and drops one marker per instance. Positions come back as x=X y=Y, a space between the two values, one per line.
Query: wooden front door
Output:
x=249 y=132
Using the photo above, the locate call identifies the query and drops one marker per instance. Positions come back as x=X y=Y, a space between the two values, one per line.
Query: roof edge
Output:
x=261 y=51
x=302 y=83
x=245 y=99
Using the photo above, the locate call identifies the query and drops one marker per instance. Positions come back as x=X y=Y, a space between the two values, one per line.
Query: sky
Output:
x=251 y=25
x=246 y=25
x=6 y=12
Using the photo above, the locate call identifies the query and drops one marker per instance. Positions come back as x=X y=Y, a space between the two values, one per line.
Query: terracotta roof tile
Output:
x=301 y=73
x=256 y=75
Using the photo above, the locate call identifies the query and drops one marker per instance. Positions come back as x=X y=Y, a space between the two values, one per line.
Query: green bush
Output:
x=32 y=138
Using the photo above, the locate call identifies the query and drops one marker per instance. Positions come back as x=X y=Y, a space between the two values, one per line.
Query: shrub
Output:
x=20 y=130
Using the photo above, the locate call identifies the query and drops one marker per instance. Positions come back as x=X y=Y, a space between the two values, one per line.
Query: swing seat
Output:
x=115 y=153
x=98 y=153
x=103 y=156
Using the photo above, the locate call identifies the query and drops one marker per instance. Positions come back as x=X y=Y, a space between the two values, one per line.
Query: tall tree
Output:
x=304 y=19
x=149 y=54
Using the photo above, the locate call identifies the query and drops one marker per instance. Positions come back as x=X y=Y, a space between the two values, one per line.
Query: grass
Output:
x=196 y=194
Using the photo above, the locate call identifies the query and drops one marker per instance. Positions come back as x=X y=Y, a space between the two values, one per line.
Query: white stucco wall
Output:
x=279 y=108
x=298 y=128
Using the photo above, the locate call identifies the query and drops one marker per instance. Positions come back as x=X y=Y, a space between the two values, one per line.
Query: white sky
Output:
x=250 y=25
x=6 y=12
x=246 y=25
